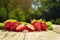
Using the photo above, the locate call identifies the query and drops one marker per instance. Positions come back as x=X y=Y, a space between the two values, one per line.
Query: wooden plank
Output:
x=5 y=35
x=56 y=28
x=45 y=35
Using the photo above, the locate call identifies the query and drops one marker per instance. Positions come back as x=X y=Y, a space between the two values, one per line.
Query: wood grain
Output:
x=43 y=35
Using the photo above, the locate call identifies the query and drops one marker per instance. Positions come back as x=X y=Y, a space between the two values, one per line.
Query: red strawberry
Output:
x=44 y=26
x=37 y=26
x=7 y=25
x=30 y=27
x=20 y=28
x=13 y=26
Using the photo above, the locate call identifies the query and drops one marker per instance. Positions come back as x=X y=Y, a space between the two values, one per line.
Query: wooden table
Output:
x=43 y=35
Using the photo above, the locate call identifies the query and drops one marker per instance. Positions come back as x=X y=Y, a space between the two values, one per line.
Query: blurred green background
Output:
x=26 y=10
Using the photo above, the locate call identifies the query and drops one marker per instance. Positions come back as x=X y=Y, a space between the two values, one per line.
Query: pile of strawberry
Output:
x=35 y=25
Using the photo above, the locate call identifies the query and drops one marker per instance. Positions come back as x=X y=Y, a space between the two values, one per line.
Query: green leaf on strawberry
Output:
x=50 y=28
x=1 y=25
x=11 y=20
x=23 y=22
x=48 y=23
x=32 y=21
x=40 y=20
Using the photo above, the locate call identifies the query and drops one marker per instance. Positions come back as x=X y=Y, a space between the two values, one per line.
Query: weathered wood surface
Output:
x=49 y=35
x=56 y=28
x=43 y=35
x=5 y=35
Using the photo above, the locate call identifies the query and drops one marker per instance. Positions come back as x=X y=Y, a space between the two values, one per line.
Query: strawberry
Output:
x=30 y=27
x=20 y=28
x=13 y=26
x=44 y=26
x=7 y=25
x=37 y=26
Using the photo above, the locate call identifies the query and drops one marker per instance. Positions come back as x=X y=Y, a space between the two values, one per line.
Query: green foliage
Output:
x=53 y=21
x=2 y=14
x=22 y=11
x=17 y=14
x=58 y=21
